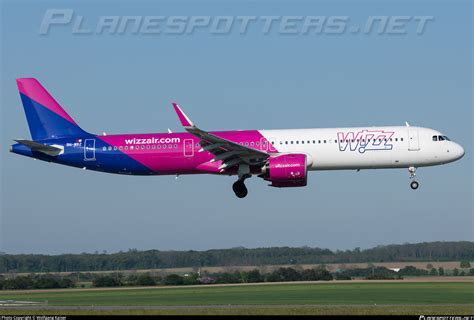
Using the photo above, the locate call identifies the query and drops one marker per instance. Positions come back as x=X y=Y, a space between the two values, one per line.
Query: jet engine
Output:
x=288 y=170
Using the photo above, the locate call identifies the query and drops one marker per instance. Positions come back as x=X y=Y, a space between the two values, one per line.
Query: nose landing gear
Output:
x=414 y=184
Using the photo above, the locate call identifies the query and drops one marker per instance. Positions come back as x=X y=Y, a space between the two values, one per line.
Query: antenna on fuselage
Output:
x=169 y=130
x=407 y=124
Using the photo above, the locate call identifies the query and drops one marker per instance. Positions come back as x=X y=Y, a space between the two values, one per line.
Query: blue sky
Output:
x=125 y=84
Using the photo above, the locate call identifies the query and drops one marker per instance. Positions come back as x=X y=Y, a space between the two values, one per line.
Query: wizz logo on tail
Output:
x=365 y=140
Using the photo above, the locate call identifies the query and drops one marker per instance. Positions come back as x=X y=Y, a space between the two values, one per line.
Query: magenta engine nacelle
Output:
x=289 y=170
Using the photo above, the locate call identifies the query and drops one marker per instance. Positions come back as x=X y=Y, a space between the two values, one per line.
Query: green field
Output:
x=279 y=294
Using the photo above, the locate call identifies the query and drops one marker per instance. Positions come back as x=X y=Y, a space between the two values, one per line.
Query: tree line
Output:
x=152 y=259
x=44 y=281
x=252 y=276
x=287 y=274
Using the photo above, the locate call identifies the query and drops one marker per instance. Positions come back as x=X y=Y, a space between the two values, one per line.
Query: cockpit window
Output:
x=440 y=138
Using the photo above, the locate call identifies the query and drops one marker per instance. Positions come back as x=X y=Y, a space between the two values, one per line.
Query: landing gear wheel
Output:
x=414 y=184
x=240 y=189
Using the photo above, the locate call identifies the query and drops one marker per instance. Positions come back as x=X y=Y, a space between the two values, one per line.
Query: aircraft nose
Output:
x=458 y=151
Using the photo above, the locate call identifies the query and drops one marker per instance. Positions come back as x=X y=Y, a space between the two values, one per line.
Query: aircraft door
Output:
x=267 y=145
x=89 y=150
x=188 y=147
x=413 y=139
x=263 y=144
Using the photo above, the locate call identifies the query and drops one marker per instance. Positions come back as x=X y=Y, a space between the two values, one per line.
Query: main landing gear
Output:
x=414 y=184
x=239 y=187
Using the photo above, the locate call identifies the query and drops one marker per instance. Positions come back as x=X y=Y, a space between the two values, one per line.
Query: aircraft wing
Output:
x=229 y=152
x=39 y=147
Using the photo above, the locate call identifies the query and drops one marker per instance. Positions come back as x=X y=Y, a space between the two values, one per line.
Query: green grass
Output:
x=286 y=294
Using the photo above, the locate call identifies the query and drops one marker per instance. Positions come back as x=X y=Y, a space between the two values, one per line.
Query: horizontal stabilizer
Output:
x=54 y=150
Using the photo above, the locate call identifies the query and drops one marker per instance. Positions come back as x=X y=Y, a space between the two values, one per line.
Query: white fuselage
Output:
x=366 y=147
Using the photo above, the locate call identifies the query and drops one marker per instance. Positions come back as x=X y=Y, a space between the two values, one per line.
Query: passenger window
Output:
x=257 y=144
x=104 y=148
x=319 y=141
x=159 y=146
x=252 y=144
x=170 y=146
x=291 y=142
x=286 y=142
x=109 y=148
x=120 y=148
x=302 y=142
x=246 y=144
x=126 y=148
x=297 y=142
x=324 y=141
x=153 y=146
x=314 y=141
x=148 y=147
x=401 y=139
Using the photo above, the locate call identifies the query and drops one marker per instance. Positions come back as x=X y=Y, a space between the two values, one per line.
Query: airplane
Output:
x=281 y=157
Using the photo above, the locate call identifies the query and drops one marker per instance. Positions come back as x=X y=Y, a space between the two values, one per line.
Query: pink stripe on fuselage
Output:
x=173 y=160
x=162 y=160
x=31 y=88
